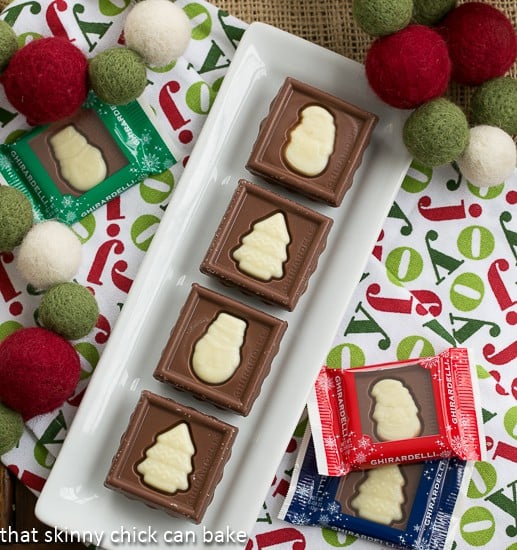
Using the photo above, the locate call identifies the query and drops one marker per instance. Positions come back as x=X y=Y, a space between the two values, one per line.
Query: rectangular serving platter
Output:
x=74 y=497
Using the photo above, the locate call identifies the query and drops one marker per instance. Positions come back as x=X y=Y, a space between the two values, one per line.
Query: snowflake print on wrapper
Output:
x=300 y=519
x=462 y=448
x=145 y=138
x=364 y=442
x=68 y=201
x=326 y=384
x=70 y=217
x=330 y=443
x=360 y=457
x=431 y=363
x=305 y=491
x=152 y=163
x=334 y=508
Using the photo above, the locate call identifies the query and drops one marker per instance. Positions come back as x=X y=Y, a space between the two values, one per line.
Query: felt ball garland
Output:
x=409 y=67
x=481 y=40
x=39 y=371
x=412 y=69
x=39 y=366
x=48 y=79
x=11 y=428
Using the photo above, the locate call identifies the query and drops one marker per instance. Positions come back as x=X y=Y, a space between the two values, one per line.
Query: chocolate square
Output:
x=308 y=231
x=262 y=338
x=415 y=378
x=212 y=440
x=350 y=485
x=353 y=130
x=87 y=123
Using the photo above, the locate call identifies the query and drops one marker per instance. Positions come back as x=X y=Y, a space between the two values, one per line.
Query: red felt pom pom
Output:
x=47 y=80
x=39 y=371
x=481 y=40
x=409 y=67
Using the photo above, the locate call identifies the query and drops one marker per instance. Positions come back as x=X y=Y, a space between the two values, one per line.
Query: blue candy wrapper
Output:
x=416 y=513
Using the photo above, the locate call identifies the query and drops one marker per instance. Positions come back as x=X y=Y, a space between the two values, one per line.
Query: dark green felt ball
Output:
x=117 y=75
x=69 y=309
x=16 y=217
x=436 y=133
x=382 y=17
x=11 y=428
x=430 y=12
x=8 y=43
x=494 y=103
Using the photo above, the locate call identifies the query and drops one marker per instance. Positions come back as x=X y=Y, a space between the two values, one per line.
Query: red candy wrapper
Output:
x=396 y=413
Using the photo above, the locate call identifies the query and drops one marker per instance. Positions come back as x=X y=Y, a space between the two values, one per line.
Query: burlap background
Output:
x=330 y=24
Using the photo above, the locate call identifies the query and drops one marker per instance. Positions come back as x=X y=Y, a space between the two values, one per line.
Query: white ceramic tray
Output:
x=74 y=497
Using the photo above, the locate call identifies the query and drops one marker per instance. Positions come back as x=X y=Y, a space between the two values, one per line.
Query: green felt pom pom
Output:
x=8 y=43
x=16 y=217
x=117 y=75
x=494 y=103
x=11 y=429
x=430 y=12
x=436 y=133
x=382 y=17
x=69 y=309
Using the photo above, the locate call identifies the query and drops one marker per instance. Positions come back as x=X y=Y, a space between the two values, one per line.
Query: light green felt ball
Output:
x=494 y=103
x=117 y=75
x=382 y=17
x=16 y=217
x=11 y=429
x=430 y=12
x=436 y=133
x=8 y=43
x=69 y=309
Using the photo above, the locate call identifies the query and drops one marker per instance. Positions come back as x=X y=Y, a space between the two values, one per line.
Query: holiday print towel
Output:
x=443 y=273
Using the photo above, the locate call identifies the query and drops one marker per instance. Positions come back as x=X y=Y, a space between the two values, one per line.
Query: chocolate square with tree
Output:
x=267 y=245
x=210 y=442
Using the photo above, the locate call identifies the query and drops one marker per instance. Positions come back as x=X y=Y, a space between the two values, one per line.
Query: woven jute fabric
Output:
x=330 y=24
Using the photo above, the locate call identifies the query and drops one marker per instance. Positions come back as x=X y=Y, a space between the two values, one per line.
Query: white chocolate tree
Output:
x=264 y=249
x=380 y=495
x=168 y=462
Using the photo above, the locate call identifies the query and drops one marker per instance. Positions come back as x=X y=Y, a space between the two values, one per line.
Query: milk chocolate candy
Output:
x=383 y=495
x=406 y=506
x=267 y=245
x=314 y=154
x=398 y=413
x=81 y=142
x=201 y=445
x=249 y=353
x=73 y=166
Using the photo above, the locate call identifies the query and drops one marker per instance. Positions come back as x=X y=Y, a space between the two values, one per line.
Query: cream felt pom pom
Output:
x=158 y=30
x=49 y=254
x=489 y=158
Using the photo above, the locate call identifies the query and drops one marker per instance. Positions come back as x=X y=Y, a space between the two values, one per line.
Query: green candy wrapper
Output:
x=71 y=167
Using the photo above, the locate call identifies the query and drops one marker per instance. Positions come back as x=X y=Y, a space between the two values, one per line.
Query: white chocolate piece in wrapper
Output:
x=168 y=462
x=264 y=250
x=311 y=142
x=217 y=354
x=81 y=164
x=381 y=495
x=395 y=412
